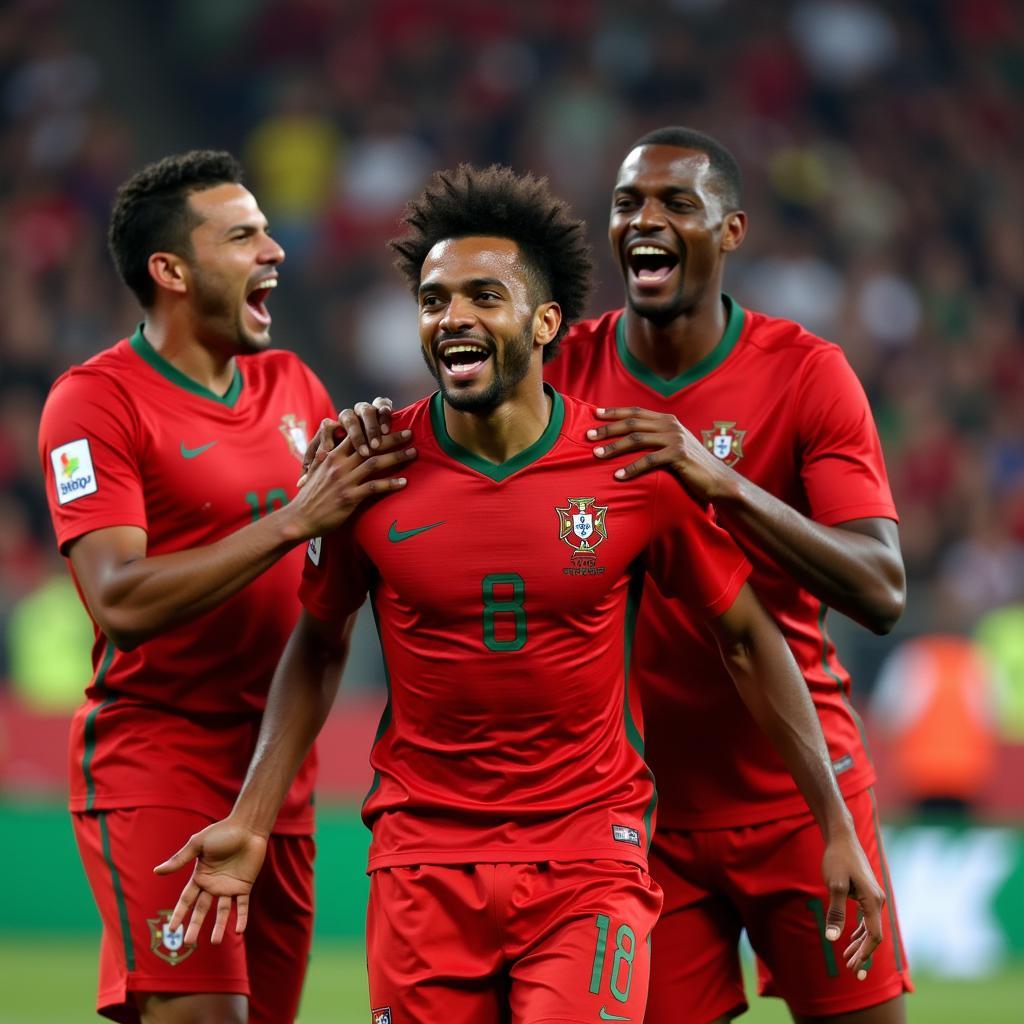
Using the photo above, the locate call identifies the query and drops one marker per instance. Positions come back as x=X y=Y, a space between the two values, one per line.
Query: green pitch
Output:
x=47 y=981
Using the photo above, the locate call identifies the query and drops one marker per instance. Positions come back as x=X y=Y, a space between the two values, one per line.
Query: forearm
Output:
x=140 y=597
x=300 y=698
x=856 y=573
x=770 y=684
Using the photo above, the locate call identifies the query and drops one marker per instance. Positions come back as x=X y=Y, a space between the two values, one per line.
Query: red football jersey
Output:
x=128 y=440
x=783 y=408
x=505 y=596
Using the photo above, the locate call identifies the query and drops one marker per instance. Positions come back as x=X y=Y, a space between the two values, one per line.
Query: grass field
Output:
x=44 y=981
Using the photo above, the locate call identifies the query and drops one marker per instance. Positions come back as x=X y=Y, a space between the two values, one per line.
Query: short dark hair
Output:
x=723 y=164
x=496 y=201
x=151 y=212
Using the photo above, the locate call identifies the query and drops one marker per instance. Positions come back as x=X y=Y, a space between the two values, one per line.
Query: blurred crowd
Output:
x=880 y=142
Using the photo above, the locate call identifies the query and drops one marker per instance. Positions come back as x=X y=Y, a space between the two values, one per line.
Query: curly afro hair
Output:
x=497 y=202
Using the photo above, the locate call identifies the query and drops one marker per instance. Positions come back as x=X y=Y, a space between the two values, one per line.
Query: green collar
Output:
x=499 y=471
x=139 y=343
x=714 y=359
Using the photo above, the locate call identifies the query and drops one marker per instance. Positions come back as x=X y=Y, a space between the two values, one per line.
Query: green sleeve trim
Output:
x=503 y=470
x=666 y=388
x=146 y=351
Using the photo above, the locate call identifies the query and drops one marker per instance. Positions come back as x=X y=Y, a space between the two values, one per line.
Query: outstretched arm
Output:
x=134 y=596
x=768 y=680
x=855 y=567
x=229 y=853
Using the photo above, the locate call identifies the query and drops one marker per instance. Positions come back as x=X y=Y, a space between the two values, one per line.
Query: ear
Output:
x=547 y=318
x=169 y=272
x=734 y=230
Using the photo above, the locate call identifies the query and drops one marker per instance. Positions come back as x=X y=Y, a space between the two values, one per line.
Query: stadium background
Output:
x=883 y=158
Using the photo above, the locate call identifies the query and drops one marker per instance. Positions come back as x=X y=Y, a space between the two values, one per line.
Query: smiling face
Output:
x=669 y=230
x=232 y=268
x=481 y=329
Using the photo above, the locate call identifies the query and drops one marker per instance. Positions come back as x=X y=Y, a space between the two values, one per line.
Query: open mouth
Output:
x=464 y=359
x=651 y=264
x=256 y=300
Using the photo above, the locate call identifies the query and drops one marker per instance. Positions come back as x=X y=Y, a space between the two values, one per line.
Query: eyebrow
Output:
x=476 y=282
x=663 y=190
x=248 y=225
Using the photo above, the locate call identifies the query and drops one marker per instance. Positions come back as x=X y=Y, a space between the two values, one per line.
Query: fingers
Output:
x=380 y=463
x=220 y=921
x=654 y=460
x=384 y=409
x=366 y=424
x=621 y=412
x=242 y=915
x=868 y=934
x=865 y=938
x=858 y=953
x=365 y=479
x=203 y=900
x=352 y=424
x=665 y=454
x=835 y=919
x=633 y=440
x=185 y=903
x=198 y=917
x=323 y=440
x=630 y=420
x=342 y=448
x=177 y=861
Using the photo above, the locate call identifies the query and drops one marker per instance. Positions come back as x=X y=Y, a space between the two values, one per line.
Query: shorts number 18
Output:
x=622 y=962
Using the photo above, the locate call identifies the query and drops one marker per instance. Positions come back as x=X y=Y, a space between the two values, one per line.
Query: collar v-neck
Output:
x=502 y=470
x=735 y=316
x=144 y=349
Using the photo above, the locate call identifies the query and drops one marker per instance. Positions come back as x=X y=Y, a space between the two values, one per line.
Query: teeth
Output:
x=648 y=250
x=271 y=282
x=464 y=348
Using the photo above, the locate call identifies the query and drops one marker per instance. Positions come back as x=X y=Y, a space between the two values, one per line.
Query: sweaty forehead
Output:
x=660 y=167
x=455 y=260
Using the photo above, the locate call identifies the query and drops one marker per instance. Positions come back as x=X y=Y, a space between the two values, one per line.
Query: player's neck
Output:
x=669 y=350
x=505 y=431
x=210 y=367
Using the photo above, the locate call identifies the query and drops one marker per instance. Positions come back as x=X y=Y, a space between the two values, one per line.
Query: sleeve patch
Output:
x=73 y=475
x=314 y=550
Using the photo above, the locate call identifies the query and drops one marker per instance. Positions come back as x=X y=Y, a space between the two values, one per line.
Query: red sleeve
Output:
x=89 y=448
x=843 y=469
x=690 y=556
x=336 y=575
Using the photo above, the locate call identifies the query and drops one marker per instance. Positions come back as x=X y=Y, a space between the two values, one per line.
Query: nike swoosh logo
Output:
x=191 y=453
x=605 y=1015
x=395 y=535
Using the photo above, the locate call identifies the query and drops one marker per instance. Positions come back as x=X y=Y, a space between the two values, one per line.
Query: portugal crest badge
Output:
x=294 y=431
x=725 y=442
x=582 y=525
x=167 y=944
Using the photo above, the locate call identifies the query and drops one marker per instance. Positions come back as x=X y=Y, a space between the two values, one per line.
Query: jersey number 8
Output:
x=504 y=614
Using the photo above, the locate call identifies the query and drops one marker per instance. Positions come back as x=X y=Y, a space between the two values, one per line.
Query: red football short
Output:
x=562 y=943
x=767 y=879
x=119 y=850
